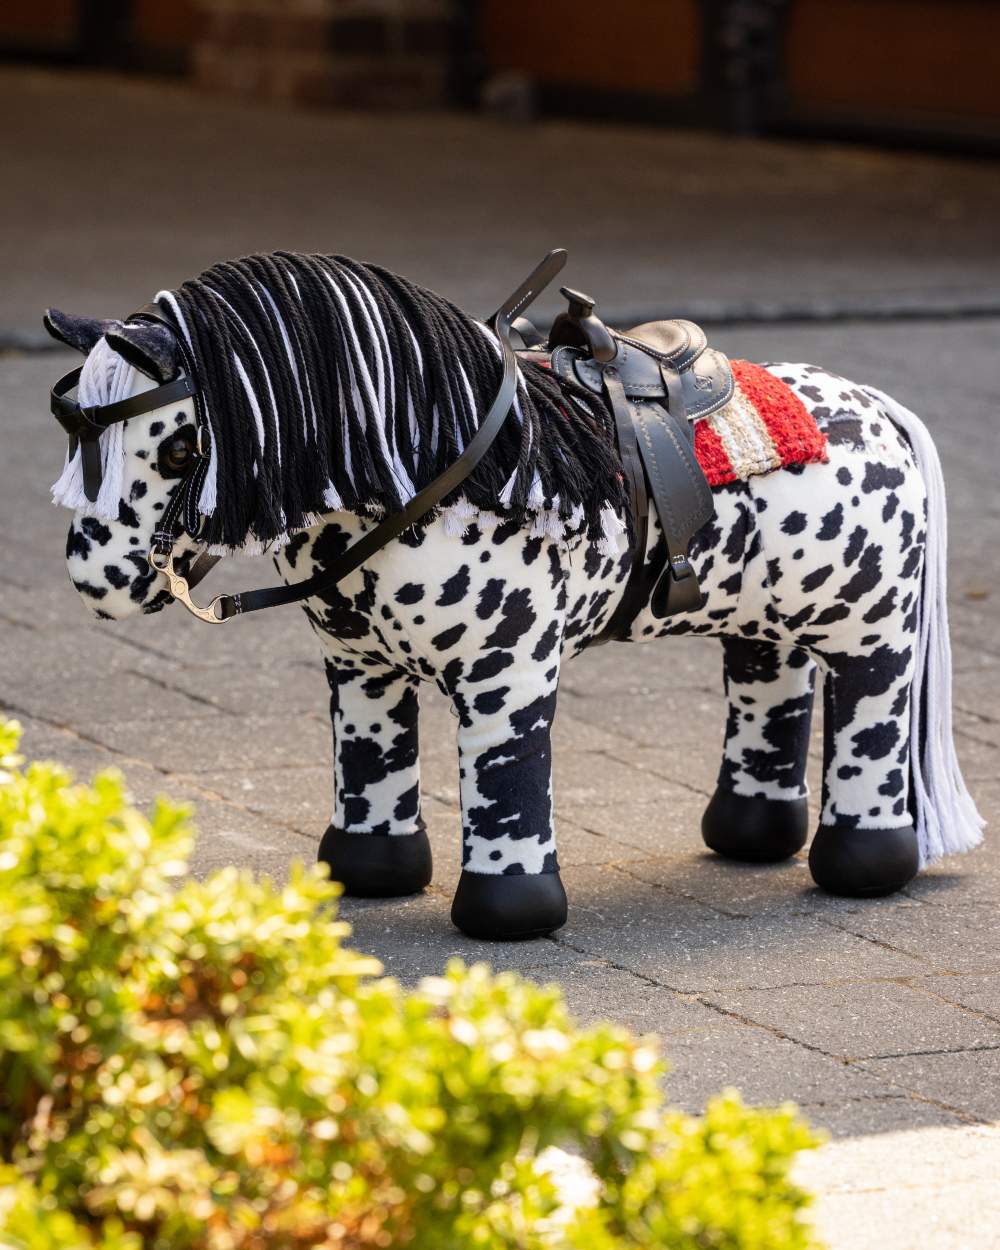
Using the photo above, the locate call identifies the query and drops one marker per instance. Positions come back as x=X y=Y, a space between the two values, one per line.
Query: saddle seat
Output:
x=706 y=378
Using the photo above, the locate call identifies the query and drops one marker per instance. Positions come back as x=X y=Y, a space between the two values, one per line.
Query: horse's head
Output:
x=120 y=483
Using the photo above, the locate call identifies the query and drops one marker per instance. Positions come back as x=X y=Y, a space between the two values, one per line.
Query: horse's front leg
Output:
x=510 y=886
x=376 y=843
x=759 y=810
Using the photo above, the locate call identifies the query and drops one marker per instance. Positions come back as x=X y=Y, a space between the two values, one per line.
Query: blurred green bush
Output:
x=206 y=1065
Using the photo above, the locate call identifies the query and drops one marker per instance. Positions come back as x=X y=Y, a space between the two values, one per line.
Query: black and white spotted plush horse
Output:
x=298 y=401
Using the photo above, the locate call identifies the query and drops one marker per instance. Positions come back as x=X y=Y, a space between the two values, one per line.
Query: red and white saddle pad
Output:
x=765 y=426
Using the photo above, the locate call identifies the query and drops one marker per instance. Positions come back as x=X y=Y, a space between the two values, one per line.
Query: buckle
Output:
x=680 y=568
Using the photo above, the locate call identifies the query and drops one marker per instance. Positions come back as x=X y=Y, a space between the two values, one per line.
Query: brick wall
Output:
x=369 y=53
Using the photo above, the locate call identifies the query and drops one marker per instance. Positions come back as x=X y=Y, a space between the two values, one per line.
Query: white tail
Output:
x=946 y=816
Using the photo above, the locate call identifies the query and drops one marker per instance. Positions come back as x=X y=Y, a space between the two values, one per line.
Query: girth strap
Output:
x=635 y=592
x=682 y=499
x=656 y=446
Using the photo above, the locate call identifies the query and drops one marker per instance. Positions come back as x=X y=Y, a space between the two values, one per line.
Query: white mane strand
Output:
x=331 y=385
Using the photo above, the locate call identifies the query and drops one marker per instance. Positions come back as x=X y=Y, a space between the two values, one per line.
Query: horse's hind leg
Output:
x=376 y=843
x=759 y=811
x=866 y=843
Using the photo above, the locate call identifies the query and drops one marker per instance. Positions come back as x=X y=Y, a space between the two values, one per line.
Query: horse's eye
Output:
x=176 y=453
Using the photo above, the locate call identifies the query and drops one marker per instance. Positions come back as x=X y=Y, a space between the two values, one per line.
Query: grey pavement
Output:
x=880 y=1018
x=115 y=188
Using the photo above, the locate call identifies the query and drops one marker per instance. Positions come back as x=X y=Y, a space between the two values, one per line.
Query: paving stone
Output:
x=765 y=1069
x=968 y=1080
x=572 y=736
x=857 y=1117
x=936 y=1158
x=80 y=697
x=935 y=1186
x=301 y=797
x=848 y=223
x=976 y=753
x=189 y=745
x=967 y=881
x=41 y=741
x=948 y=1217
x=946 y=940
x=594 y=991
x=274 y=690
x=414 y=938
x=670 y=669
x=683 y=944
x=603 y=778
x=656 y=819
x=730 y=887
x=692 y=741
x=978 y=993
x=862 y=1021
x=229 y=836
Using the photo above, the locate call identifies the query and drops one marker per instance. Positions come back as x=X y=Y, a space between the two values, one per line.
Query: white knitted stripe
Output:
x=947 y=819
x=745 y=438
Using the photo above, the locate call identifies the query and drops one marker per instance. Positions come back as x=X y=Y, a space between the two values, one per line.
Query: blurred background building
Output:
x=911 y=71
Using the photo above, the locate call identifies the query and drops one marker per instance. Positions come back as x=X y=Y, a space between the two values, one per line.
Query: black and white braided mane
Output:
x=330 y=385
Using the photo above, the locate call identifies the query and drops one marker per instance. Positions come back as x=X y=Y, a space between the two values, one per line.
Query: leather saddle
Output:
x=658 y=379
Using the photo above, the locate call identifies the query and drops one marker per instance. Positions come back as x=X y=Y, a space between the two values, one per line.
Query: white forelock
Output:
x=105 y=379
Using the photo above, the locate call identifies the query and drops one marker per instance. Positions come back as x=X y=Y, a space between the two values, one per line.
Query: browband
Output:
x=86 y=425
x=79 y=421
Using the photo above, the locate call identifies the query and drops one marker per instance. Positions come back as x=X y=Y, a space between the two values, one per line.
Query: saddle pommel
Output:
x=580 y=327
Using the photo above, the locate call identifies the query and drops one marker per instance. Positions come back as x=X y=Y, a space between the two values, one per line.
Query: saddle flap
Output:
x=706 y=378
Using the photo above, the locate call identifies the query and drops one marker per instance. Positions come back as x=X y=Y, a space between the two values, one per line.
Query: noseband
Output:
x=181 y=514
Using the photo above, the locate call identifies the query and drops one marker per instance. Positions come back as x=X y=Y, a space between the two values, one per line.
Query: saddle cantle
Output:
x=658 y=378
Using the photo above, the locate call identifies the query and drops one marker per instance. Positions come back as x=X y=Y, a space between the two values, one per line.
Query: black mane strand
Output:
x=330 y=384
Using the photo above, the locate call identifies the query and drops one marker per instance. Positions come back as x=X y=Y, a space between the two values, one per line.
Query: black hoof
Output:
x=863 y=863
x=372 y=865
x=508 y=909
x=756 y=830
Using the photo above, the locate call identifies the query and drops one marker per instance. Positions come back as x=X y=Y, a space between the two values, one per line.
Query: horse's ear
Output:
x=80 y=333
x=149 y=345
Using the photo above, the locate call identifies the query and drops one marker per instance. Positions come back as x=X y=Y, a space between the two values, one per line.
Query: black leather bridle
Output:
x=84 y=426
x=181 y=513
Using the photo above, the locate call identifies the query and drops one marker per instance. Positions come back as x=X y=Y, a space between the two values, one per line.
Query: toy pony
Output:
x=470 y=504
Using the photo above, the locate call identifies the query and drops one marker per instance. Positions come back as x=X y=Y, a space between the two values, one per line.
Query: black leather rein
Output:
x=225 y=607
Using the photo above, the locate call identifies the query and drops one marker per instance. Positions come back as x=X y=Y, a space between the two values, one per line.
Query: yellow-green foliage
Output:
x=205 y=1065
